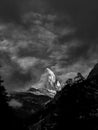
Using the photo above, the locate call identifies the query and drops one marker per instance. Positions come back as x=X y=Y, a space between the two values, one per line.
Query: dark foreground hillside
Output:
x=74 y=107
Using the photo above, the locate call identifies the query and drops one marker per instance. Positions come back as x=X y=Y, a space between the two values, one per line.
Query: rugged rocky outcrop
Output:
x=94 y=72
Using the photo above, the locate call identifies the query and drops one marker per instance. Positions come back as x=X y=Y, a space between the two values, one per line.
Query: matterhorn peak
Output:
x=53 y=80
x=49 y=84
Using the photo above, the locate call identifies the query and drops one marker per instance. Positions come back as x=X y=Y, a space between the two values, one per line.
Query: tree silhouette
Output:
x=6 y=112
x=3 y=94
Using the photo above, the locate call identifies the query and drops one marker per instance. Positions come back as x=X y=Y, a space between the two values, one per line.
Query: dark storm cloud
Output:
x=13 y=10
x=84 y=17
x=10 y=10
x=84 y=14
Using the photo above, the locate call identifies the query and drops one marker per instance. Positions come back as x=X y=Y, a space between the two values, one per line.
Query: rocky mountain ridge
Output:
x=75 y=102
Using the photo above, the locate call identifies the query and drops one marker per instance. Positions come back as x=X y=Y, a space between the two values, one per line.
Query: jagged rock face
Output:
x=94 y=72
x=48 y=85
x=53 y=81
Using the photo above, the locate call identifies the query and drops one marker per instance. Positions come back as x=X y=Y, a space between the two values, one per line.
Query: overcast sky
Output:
x=80 y=41
x=83 y=12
